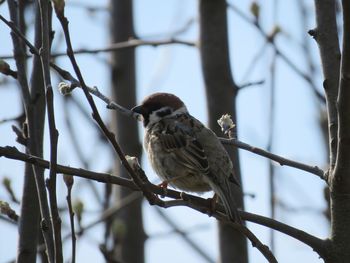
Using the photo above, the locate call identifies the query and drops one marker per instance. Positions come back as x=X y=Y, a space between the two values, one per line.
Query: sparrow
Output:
x=185 y=153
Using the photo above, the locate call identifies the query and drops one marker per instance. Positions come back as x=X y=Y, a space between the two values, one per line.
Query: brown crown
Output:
x=158 y=100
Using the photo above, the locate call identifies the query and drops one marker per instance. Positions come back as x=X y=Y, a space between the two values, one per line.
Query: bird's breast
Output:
x=169 y=168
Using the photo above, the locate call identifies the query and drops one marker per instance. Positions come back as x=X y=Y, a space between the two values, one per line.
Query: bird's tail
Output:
x=226 y=195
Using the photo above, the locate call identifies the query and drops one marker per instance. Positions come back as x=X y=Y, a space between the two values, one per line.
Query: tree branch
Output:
x=279 y=159
x=221 y=93
x=343 y=165
x=69 y=181
x=184 y=236
x=270 y=39
x=200 y=204
x=44 y=52
x=34 y=192
x=317 y=244
x=132 y=43
x=109 y=135
x=326 y=36
x=6 y=70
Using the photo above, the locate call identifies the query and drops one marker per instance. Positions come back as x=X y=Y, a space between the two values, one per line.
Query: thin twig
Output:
x=6 y=69
x=315 y=243
x=184 y=236
x=265 y=251
x=14 y=153
x=279 y=159
x=6 y=182
x=132 y=43
x=7 y=220
x=67 y=76
x=5 y=209
x=77 y=147
x=69 y=181
x=251 y=84
x=109 y=135
x=44 y=52
x=270 y=39
x=271 y=136
x=19 y=118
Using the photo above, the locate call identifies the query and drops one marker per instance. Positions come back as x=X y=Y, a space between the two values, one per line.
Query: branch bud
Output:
x=255 y=10
x=68 y=180
x=64 y=88
x=226 y=123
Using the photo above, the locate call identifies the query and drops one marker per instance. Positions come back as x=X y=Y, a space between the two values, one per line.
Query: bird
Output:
x=184 y=152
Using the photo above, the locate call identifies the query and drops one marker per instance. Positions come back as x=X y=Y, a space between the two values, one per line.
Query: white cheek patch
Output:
x=181 y=110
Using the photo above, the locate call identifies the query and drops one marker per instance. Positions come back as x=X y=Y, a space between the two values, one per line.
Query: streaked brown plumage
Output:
x=185 y=153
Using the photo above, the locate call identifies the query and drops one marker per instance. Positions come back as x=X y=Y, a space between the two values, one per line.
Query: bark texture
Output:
x=340 y=179
x=128 y=246
x=35 y=117
x=221 y=98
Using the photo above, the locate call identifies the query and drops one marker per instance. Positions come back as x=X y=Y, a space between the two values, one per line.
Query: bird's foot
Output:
x=164 y=186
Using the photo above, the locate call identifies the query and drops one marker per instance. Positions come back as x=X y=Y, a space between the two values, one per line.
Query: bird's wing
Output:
x=178 y=140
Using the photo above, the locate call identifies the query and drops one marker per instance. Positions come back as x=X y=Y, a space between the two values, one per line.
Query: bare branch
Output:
x=67 y=76
x=318 y=245
x=184 y=236
x=279 y=159
x=269 y=38
x=5 y=209
x=326 y=36
x=44 y=53
x=69 y=181
x=251 y=84
x=78 y=148
x=111 y=211
x=6 y=182
x=132 y=43
x=20 y=118
x=109 y=135
x=34 y=186
x=343 y=166
x=200 y=204
x=18 y=51
x=6 y=70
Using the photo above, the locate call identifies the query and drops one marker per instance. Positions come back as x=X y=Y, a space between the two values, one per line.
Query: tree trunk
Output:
x=128 y=244
x=221 y=98
x=35 y=113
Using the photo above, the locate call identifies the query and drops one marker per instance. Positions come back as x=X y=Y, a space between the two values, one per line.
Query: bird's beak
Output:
x=138 y=110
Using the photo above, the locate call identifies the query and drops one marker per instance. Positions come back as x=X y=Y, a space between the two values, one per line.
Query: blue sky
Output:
x=176 y=69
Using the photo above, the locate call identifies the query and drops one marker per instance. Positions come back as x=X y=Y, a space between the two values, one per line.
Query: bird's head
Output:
x=158 y=106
